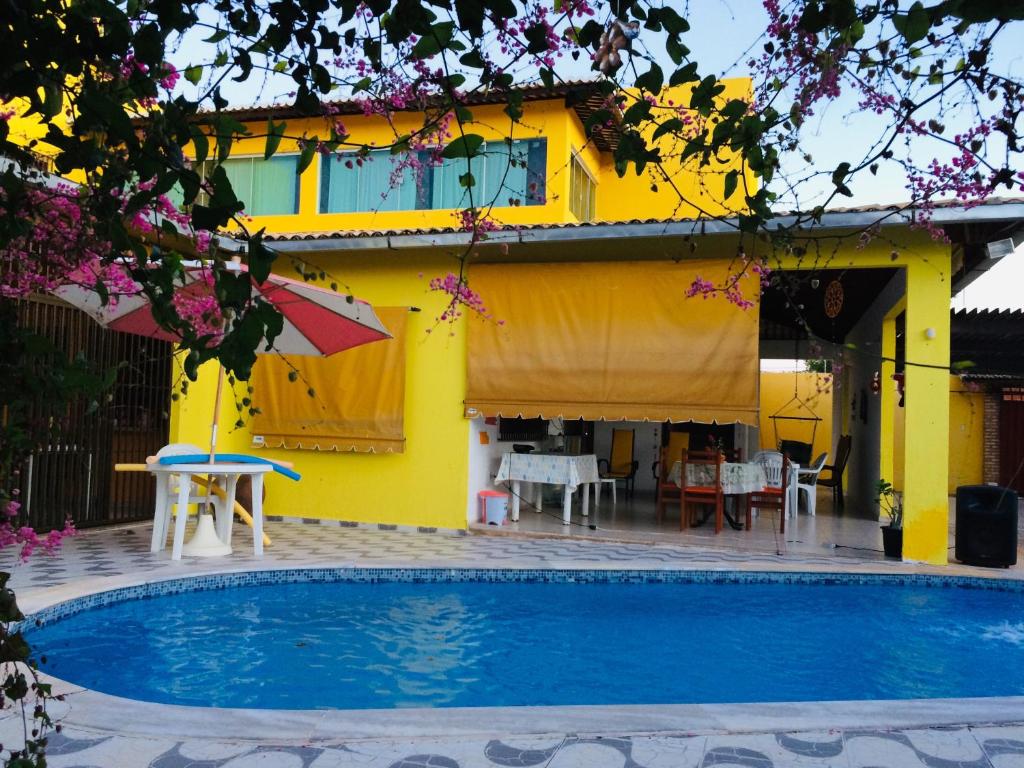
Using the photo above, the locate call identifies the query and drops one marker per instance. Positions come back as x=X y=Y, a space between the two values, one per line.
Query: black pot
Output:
x=892 y=541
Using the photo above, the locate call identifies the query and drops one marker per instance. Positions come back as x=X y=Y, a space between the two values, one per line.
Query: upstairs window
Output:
x=267 y=187
x=506 y=175
x=582 y=191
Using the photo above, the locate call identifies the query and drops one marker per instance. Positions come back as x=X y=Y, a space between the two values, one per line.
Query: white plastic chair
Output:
x=771 y=462
x=808 y=482
x=196 y=495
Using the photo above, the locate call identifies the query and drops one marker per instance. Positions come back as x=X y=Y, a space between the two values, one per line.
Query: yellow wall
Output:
x=689 y=190
x=28 y=131
x=617 y=199
x=966 y=437
x=424 y=486
x=777 y=392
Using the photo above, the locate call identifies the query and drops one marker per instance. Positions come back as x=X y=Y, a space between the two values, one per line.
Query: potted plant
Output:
x=890 y=501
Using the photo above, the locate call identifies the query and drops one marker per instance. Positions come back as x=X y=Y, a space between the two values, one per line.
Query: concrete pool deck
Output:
x=102 y=730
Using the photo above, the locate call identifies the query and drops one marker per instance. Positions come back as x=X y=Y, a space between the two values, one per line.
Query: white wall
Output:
x=484 y=461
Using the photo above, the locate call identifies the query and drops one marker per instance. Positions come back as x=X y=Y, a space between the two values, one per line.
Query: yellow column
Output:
x=926 y=409
x=887 y=458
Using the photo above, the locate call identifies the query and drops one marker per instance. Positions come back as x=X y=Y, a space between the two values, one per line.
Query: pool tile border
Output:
x=143 y=591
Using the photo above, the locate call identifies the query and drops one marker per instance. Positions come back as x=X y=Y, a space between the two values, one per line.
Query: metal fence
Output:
x=73 y=476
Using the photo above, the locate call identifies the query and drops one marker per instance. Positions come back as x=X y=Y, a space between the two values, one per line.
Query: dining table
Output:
x=540 y=469
x=738 y=479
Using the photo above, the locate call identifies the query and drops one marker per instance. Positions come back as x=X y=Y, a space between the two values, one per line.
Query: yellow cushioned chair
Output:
x=620 y=465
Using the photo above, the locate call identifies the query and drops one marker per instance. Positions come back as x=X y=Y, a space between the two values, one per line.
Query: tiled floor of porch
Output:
x=831 y=533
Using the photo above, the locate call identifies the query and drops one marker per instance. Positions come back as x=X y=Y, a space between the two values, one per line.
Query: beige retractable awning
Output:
x=613 y=341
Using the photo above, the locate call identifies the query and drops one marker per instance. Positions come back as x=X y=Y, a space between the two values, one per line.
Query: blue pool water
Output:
x=366 y=645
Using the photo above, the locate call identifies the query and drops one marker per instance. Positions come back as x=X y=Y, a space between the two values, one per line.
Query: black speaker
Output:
x=986 y=526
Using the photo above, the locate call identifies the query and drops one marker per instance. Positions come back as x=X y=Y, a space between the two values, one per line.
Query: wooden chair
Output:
x=620 y=465
x=678 y=444
x=701 y=495
x=773 y=495
x=836 y=469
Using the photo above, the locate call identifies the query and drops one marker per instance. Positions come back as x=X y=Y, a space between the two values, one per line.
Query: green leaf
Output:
x=9 y=610
x=463 y=146
x=438 y=38
x=471 y=16
x=467 y=180
x=194 y=73
x=652 y=80
x=401 y=144
x=676 y=50
x=840 y=173
x=473 y=59
x=703 y=97
x=261 y=258
x=685 y=74
x=913 y=25
x=674 y=23
x=671 y=125
x=14 y=648
x=731 y=180
x=536 y=38
x=637 y=113
x=274 y=134
x=514 y=108
x=307 y=154
x=200 y=143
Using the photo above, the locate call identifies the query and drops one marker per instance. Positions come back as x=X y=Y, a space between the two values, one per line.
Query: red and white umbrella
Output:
x=317 y=322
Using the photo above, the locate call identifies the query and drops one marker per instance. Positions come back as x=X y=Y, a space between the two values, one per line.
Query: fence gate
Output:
x=1011 y=439
x=74 y=475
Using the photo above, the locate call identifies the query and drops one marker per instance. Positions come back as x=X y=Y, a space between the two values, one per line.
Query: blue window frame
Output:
x=505 y=175
x=267 y=187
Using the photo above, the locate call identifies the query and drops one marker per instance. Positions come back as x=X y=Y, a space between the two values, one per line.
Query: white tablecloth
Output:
x=553 y=468
x=736 y=477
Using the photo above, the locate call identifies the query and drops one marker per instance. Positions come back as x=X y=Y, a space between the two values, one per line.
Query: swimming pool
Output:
x=385 y=639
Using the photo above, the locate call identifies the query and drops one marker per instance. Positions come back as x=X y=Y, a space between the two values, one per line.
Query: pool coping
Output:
x=92 y=710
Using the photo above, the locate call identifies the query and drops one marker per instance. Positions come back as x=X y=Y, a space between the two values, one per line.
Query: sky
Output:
x=724 y=35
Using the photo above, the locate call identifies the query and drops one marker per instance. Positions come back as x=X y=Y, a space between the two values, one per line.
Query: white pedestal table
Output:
x=227 y=476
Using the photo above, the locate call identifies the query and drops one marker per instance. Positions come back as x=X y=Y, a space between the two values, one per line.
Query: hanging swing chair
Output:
x=796 y=412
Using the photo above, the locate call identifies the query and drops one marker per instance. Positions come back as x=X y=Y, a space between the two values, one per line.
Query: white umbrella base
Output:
x=205 y=542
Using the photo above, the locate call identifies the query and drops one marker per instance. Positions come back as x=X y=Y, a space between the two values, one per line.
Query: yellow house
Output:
x=584 y=281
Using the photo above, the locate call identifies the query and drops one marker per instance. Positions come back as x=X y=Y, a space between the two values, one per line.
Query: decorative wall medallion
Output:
x=833 y=299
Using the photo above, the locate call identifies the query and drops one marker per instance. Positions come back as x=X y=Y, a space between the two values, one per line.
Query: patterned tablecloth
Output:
x=554 y=468
x=736 y=478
